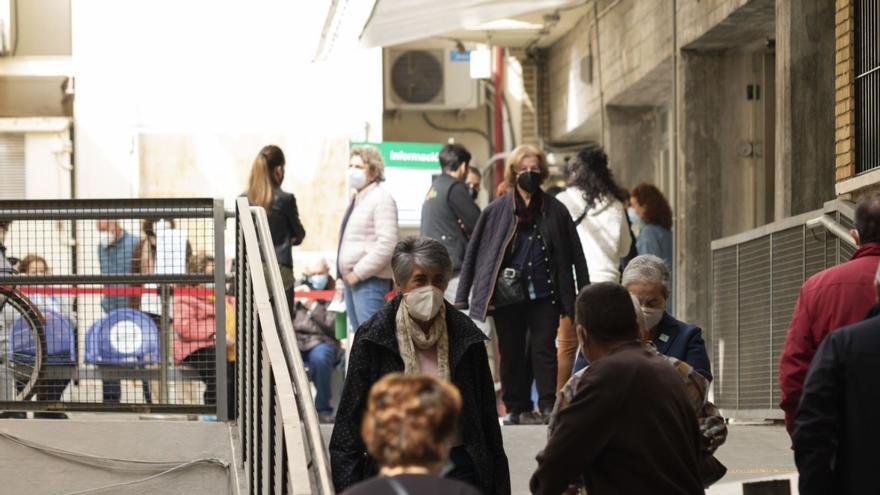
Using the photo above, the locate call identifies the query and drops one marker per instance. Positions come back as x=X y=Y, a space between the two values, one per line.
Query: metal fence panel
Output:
x=756 y=279
x=113 y=305
x=787 y=259
x=724 y=326
x=754 y=326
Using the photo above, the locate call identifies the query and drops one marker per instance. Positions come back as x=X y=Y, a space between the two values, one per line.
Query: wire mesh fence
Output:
x=113 y=304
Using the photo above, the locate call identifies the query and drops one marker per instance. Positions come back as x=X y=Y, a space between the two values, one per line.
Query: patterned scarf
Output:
x=526 y=215
x=410 y=336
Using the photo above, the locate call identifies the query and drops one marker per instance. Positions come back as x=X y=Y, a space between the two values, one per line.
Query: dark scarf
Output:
x=526 y=215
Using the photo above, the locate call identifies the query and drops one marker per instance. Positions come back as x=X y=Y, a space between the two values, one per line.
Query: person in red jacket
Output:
x=831 y=299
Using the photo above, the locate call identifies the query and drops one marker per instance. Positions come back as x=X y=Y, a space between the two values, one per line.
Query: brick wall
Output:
x=844 y=101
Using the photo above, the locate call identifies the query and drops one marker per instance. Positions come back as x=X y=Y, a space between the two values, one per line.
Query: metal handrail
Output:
x=833 y=227
x=305 y=402
x=844 y=207
x=303 y=450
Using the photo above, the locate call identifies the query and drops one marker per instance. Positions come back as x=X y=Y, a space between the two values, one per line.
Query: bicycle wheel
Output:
x=22 y=330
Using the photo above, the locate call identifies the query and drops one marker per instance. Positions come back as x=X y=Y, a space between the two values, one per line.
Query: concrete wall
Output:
x=805 y=159
x=26 y=470
x=43 y=28
x=696 y=221
x=630 y=57
x=574 y=95
x=633 y=143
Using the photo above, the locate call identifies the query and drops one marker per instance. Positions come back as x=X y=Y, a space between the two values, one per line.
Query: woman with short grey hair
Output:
x=647 y=278
x=418 y=332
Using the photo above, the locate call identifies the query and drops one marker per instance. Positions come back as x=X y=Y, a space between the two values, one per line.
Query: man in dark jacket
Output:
x=315 y=329
x=834 y=298
x=631 y=427
x=449 y=214
x=836 y=435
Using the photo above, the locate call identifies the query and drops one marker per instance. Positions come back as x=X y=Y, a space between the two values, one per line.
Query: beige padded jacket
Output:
x=370 y=235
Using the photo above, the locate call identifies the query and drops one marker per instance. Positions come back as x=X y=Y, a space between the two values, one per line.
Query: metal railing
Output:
x=279 y=437
x=867 y=84
x=104 y=327
x=756 y=278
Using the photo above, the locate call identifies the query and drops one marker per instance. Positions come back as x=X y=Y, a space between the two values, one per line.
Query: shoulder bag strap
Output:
x=396 y=486
x=452 y=210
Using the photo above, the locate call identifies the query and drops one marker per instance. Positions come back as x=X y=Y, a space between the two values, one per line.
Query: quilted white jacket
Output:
x=370 y=235
x=603 y=232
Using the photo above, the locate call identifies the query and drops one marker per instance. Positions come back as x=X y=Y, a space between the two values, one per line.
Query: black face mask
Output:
x=473 y=191
x=529 y=181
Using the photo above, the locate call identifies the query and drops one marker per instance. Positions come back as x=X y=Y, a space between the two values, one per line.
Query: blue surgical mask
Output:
x=319 y=282
x=634 y=217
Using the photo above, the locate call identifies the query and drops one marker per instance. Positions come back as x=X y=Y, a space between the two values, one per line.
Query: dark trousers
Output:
x=203 y=362
x=526 y=341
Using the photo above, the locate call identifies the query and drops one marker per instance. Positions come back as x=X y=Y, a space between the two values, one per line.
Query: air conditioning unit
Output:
x=429 y=78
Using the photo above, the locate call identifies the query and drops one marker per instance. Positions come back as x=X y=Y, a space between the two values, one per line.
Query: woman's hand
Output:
x=351 y=279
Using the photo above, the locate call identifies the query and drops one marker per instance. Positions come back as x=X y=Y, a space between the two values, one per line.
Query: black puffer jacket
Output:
x=375 y=353
x=490 y=240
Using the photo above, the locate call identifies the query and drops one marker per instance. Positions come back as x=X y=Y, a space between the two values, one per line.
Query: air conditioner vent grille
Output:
x=417 y=76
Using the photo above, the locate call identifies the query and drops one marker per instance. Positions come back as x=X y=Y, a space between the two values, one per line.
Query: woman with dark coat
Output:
x=417 y=332
x=525 y=264
x=264 y=189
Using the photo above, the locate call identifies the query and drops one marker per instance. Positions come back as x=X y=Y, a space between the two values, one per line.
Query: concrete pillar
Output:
x=697 y=216
x=804 y=105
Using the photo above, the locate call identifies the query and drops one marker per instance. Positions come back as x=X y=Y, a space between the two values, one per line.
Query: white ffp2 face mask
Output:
x=652 y=316
x=357 y=178
x=105 y=238
x=424 y=303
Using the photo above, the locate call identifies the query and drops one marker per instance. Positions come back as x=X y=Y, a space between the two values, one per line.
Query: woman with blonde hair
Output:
x=525 y=265
x=408 y=426
x=264 y=189
x=367 y=237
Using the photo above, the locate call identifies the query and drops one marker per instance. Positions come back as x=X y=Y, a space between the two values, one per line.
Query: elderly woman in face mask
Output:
x=418 y=332
x=647 y=278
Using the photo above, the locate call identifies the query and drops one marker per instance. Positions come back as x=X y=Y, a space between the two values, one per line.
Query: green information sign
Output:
x=408 y=155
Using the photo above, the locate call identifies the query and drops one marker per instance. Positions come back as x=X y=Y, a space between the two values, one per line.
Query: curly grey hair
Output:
x=372 y=158
x=646 y=268
x=419 y=251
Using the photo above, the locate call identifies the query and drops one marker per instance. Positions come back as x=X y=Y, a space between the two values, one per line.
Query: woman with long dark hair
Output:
x=595 y=203
x=525 y=264
x=264 y=189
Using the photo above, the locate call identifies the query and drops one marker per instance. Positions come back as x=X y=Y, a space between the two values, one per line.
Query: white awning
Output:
x=394 y=22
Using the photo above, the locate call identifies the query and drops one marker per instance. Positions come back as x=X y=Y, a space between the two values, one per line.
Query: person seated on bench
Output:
x=315 y=329
x=194 y=329
x=60 y=320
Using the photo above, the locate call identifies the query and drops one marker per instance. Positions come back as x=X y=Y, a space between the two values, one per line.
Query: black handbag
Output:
x=509 y=289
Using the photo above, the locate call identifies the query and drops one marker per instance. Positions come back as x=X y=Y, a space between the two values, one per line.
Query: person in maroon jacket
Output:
x=831 y=299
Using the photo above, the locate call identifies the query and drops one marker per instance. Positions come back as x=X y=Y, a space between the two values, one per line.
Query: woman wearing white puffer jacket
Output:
x=367 y=237
x=595 y=203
